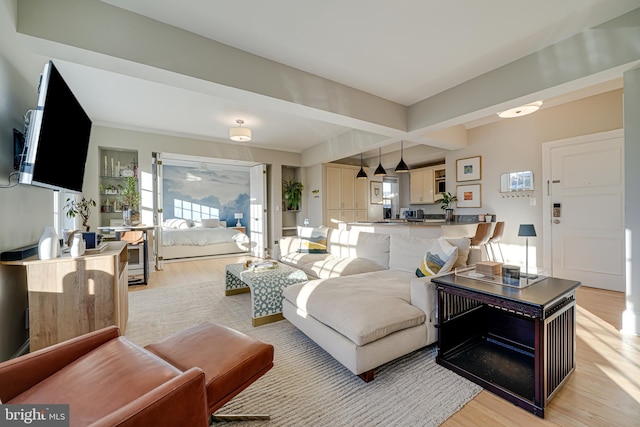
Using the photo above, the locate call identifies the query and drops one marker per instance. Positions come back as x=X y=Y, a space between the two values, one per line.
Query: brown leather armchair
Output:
x=107 y=381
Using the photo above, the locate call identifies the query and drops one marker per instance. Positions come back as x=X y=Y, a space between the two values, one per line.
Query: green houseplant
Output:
x=446 y=202
x=292 y=193
x=129 y=197
x=82 y=208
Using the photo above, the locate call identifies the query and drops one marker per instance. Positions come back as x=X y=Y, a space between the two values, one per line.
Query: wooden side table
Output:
x=516 y=343
x=241 y=229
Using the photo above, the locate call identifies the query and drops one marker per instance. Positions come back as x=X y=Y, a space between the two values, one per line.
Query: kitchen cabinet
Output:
x=427 y=184
x=421 y=182
x=346 y=198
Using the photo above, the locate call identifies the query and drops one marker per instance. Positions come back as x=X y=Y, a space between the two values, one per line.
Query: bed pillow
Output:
x=178 y=223
x=210 y=222
x=439 y=259
x=312 y=240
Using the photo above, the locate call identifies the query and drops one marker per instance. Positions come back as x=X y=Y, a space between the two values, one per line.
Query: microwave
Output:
x=410 y=213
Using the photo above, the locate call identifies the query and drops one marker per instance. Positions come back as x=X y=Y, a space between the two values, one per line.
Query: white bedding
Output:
x=201 y=236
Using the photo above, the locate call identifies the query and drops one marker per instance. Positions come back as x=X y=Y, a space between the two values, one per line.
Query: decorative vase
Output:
x=48 y=245
x=78 y=245
x=448 y=215
x=126 y=216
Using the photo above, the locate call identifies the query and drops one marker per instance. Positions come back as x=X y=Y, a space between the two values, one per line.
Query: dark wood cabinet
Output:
x=516 y=343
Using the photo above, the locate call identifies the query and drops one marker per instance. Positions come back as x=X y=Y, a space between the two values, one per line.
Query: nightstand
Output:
x=242 y=229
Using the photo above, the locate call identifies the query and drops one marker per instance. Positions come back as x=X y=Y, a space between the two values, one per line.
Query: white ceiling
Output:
x=403 y=51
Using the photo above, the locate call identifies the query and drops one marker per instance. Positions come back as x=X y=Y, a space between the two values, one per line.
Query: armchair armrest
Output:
x=287 y=245
x=179 y=401
x=20 y=374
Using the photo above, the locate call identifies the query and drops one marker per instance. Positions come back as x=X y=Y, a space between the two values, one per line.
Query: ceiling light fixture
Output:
x=239 y=133
x=402 y=166
x=521 y=111
x=361 y=173
x=380 y=170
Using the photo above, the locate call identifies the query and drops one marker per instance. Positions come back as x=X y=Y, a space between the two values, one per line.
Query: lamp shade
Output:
x=239 y=133
x=238 y=216
x=402 y=166
x=361 y=173
x=380 y=170
x=527 y=230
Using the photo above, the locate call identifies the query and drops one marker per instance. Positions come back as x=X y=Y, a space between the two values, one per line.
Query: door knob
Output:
x=556 y=221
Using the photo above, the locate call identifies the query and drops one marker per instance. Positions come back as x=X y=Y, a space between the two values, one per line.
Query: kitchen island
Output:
x=427 y=228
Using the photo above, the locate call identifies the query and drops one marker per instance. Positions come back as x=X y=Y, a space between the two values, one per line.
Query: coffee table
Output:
x=266 y=289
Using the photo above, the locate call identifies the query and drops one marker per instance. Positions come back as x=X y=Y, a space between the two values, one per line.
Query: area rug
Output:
x=306 y=386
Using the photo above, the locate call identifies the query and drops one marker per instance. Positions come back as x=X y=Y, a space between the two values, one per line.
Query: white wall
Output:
x=512 y=145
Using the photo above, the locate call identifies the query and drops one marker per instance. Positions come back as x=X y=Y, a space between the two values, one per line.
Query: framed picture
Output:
x=376 y=193
x=469 y=196
x=469 y=169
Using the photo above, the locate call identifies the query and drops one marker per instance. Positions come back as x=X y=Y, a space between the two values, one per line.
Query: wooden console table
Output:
x=69 y=297
x=518 y=343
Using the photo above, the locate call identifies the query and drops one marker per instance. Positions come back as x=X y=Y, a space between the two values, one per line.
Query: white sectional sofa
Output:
x=347 y=253
x=365 y=319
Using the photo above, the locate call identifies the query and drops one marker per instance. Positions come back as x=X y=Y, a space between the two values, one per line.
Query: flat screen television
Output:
x=57 y=137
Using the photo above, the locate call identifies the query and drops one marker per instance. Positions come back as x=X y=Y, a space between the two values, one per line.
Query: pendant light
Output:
x=402 y=166
x=361 y=174
x=239 y=133
x=380 y=170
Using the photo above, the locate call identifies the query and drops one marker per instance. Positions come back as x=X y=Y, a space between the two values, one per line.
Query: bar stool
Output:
x=498 y=231
x=483 y=234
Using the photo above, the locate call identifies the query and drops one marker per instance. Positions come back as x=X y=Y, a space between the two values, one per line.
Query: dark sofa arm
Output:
x=180 y=401
x=20 y=374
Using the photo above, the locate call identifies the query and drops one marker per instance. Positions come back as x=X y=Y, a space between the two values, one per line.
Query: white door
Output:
x=586 y=204
x=258 y=210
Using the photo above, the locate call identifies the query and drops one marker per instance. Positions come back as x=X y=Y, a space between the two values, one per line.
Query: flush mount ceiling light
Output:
x=402 y=166
x=361 y=173
x=380 y=170
x=521 y=111
x=239 y=133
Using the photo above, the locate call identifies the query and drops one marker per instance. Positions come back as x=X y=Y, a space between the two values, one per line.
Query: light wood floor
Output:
x=604 y=390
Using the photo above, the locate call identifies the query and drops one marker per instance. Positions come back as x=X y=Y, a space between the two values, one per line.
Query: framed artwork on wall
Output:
x=469 y=169
x=469 y=196
x=376 y=193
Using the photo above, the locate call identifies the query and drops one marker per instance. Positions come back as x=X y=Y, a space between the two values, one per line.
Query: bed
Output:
x=187 y=239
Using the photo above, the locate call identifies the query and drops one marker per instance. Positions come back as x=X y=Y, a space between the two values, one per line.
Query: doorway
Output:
x=584 y=209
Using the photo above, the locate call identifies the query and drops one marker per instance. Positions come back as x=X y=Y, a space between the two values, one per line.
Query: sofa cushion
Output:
x=407 y=251
x=464 y=246
x=335 y=267
x=364 y=307
x=313 y=240
x=374 y=247
x=439 y=258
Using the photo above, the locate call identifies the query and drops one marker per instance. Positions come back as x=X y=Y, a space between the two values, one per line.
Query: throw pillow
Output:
x=312 y=240
x=439 y=258
x=464 y=245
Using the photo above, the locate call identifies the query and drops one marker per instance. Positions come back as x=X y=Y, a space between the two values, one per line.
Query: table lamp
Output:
x=527 y=230
x=239 y=216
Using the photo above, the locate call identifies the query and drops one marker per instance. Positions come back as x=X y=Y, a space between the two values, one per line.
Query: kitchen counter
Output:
x=429 y=228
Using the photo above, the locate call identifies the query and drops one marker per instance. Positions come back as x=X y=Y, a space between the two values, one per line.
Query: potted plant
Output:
x=129 y=197
x=82 y=208
x=445 y=202
x=292 y=193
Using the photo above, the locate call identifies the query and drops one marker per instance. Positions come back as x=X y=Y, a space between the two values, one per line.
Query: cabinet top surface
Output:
x=111 y=249
x=539 y=294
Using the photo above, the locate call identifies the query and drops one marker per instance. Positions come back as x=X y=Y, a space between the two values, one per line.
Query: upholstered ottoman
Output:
x=231 y=360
